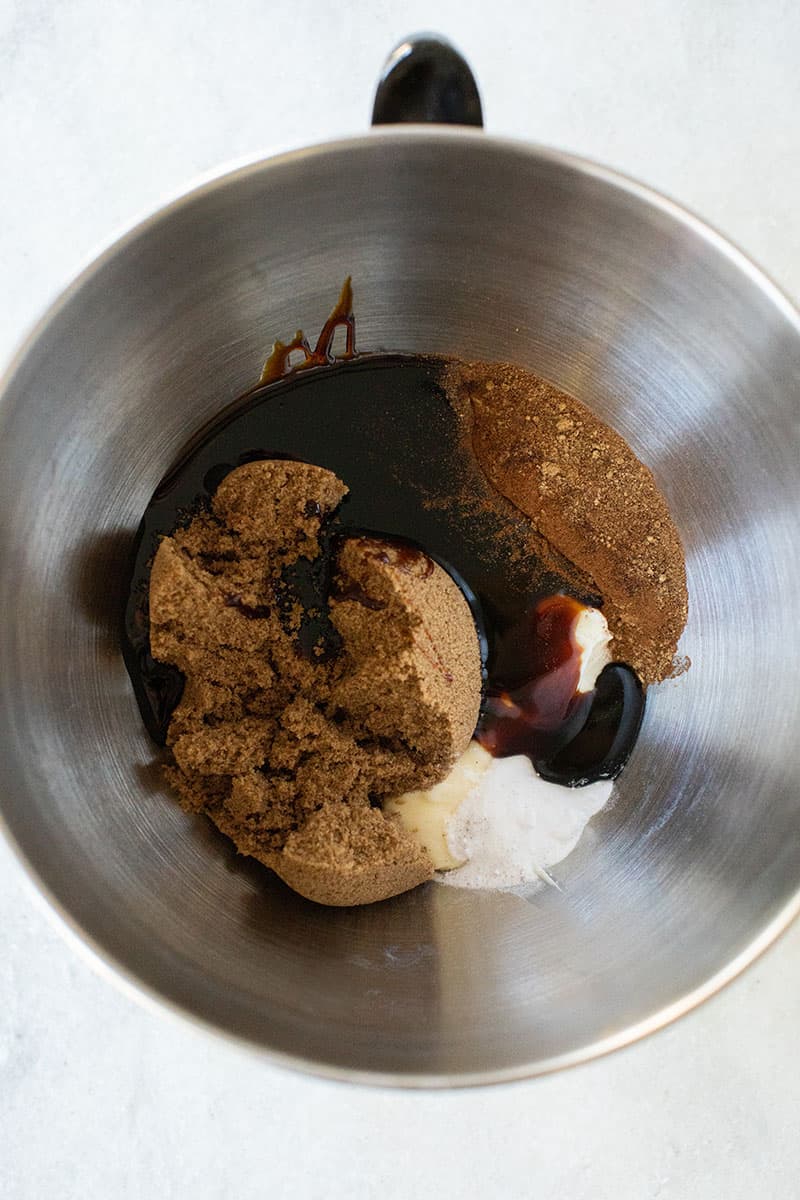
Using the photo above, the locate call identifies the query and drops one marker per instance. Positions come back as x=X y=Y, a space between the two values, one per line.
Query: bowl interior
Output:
x=463 y=245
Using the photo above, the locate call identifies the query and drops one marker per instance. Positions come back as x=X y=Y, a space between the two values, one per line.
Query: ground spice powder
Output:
x=594 y=504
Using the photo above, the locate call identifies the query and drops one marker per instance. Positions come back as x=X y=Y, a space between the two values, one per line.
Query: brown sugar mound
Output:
x=273 y=729
x=345 y=856
x=411 y=647
x=590 y=498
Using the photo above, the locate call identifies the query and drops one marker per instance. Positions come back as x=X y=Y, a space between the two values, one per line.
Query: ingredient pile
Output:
x=445 y=690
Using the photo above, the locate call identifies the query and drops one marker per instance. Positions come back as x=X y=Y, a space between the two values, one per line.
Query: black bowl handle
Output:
x=426 y=79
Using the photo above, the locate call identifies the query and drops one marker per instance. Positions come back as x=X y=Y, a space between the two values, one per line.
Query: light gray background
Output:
x=106 y=108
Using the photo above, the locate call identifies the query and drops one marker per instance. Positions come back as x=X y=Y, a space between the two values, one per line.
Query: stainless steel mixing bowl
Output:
x=470 y=245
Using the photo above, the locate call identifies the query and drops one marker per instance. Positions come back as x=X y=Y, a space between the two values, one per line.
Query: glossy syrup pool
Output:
x=384 y=425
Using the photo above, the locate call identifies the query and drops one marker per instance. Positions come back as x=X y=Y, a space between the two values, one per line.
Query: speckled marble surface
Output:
x=105 y=110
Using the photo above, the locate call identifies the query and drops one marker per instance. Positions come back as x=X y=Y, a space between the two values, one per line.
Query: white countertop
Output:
x=107 y=107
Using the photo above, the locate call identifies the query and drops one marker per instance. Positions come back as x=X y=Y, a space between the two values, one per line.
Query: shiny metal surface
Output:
x=463 y=244
x=426 y=79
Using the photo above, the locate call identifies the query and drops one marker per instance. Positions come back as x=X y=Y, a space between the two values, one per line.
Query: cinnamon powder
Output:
x=596 y=507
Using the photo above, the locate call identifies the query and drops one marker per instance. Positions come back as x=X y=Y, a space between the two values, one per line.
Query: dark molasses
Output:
x=532 y=704
x=384 y=425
